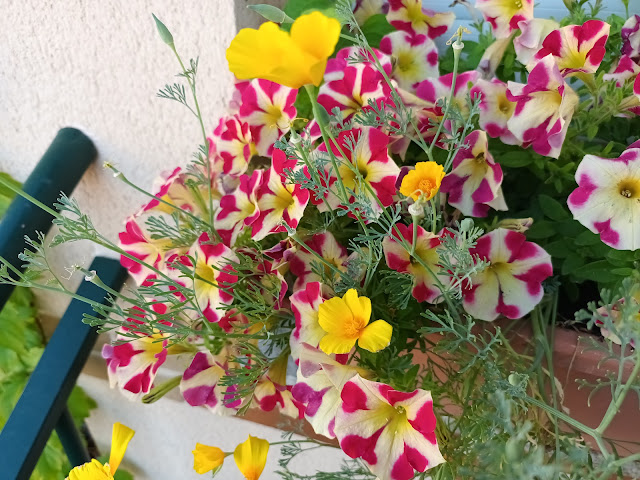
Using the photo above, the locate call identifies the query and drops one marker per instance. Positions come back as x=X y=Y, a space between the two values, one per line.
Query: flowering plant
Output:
x=345 y=234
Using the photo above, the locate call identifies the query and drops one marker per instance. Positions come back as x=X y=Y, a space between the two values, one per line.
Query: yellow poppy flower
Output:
x=206 y=458
x=346 y=321
x=94 y=470
x=291 y=59
x=251 y=457
x=423 y=182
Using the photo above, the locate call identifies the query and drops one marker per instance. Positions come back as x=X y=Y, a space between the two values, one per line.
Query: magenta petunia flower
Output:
x=511 y=285
x=533 y=32
x=630 y=34
x=410 y=16
x=474 y=183
x=416 y=57
x=305 y=304
x=495 y=109
x=607 y=200
x=544 y=108
x=392 y=432
x=239 y=209
x=232 y=141
x=504 y=16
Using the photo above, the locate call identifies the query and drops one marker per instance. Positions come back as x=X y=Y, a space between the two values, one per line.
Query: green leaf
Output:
x=295 y=8
x=571 y=263
x=271 y=13
x=514 y=159
x=599 y=271
x=592 y=130
x=375 y=28
x=165 y=34
x=541 y=229
x=552 y=208
x=587 y=238
x=559 y=248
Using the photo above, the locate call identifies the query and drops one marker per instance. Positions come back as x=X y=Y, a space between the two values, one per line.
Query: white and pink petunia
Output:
x=365 y=9
x=474 y=182
x=504 y=16
x=544 y=108
x=352 y=56
x=301 y=261
x=212 y=276
x=626 y=69
x=239 y=209
x=607 y=200
x=132 y=362
x=511 y=285
x=392 y=432
x=410 y=16
x=269 y=109
x=268 y=396
x=305 y=304
x=371 y=159
x=415 y=55
x=200 y=384
x=320 y=381
x=630 y=34
x=233 y=142
x=425 y=278
x=278 y=199
x=533 y=32
x=575 y=48
x=495 y=109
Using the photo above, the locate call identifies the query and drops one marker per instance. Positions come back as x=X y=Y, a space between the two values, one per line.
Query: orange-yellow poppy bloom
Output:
x=346 y=321
x=423 y=182
x=251 y=457
x=94 y=470
x=206 y=458
x=292 y=59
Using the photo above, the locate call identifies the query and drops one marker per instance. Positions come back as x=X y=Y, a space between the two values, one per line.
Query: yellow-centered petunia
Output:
x=292 y=59
x=251 y=457
x=346 y=321
x=423 y=182
x=206 y=458
x=94 y=470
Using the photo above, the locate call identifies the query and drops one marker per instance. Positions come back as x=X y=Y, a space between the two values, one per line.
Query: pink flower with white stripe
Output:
x=371 y=159
x=504 y=16
x=305 y=304
x=626 y=69
x=212 y=278
x=320 y=381
x=630 y=34
x=416 y=57
x=365 y=9
x=239 y=209
x=425 y=287
x=132 y=364
x=576 y=48
x=533 y=32
x=544 y=108
x=392 y=432
x=268 y=109
x=347 y=56
x=301 y=261
x=268 y=396
x=410 y=16
x=233 y=142
x=200 y=384
x=495 y=109
x=278 y=199
x=607 y=200
x=474 y=182
x=511 y=285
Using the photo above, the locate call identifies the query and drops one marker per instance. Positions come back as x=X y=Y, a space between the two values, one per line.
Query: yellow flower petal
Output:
x=92 y=470
x=251 y=457
x=423 y=182
x=333 y=313
x=359 y=306
x=376 y=336
x=120 y=438
x=206 y=458
x=317 y=35
x=330 y=344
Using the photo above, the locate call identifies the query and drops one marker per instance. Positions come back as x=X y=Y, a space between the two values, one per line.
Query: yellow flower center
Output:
x=353 y=326
x=425 y=186
x=505 y=106
x=630 y=188
x=275 y=118
x=206 y=273
x=405 y=61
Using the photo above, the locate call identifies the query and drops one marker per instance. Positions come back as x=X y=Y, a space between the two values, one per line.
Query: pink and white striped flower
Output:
x=544 y=108
x=474 y=182
x=132 y=364
x=320 y=381
x=495 y=109
x=200 y=384
x=504 y=16
x=347 y=56
x=607 y=200
x=268 y=396
x=392 y=432
x=305 y=304
x=278 y=199
x=425 y=284
x=511 y=285
x=233 y=142
x=301 y=261
x=410 y=16
x=365 y=9
x=575 y=48
x=533 y=32
x=212 y=276
x=239 y=209
x=269 y=109
x=626 y=69
x=371 y=159
x=416 y=57
x=630 y=34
